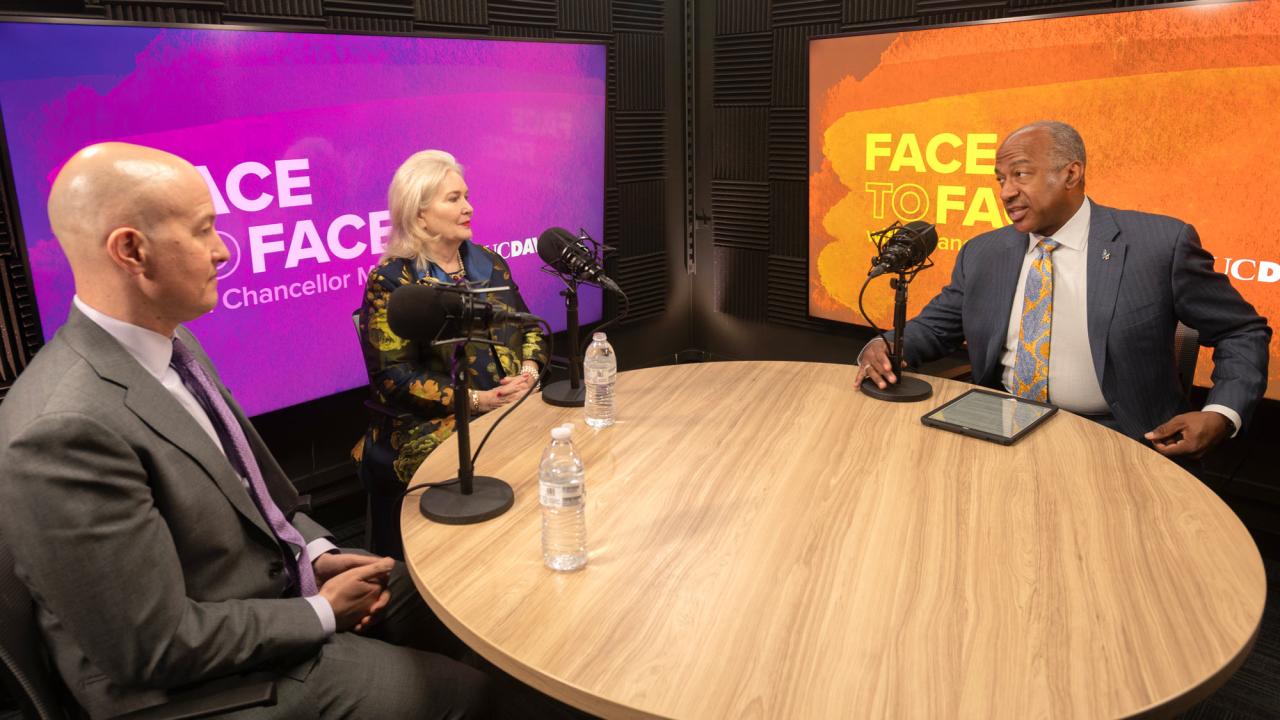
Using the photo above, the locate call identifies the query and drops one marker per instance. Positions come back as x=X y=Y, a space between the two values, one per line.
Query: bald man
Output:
x=162 y=543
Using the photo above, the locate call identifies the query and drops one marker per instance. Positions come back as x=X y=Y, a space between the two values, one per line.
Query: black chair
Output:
x=382 y=494
x=28 y=675
x=34 y=683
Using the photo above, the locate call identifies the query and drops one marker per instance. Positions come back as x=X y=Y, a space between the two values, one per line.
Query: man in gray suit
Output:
x=1117 y=281
x=162 y=543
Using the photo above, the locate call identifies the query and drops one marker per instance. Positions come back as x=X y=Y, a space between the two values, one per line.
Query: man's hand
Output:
x=331 y=564
x=1190 y=433
x=874 y=364
x=357 y=595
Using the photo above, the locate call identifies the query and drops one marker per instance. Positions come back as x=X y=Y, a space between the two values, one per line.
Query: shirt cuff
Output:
x=1229 y=414
x=864 y=347
x=324 y=613
x=320 y=546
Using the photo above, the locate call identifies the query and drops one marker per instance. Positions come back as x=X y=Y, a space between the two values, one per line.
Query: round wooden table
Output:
x=765 y=542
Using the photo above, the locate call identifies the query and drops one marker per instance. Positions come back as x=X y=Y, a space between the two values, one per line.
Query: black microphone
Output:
x=418 y=312
x=907 y=247
x=566 y=254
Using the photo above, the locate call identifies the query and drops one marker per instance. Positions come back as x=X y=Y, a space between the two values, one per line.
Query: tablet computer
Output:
x=1003 y=419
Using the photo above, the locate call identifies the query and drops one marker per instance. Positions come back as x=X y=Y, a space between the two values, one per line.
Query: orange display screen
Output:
x=1176 y=106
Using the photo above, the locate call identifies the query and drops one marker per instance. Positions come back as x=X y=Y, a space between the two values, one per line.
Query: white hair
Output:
x=413 y=187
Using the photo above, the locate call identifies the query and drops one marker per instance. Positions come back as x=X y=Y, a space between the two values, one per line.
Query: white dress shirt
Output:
x=1073 y=384
x=153 y=352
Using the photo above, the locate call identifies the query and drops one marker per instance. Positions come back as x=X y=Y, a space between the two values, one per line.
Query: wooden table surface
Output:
x=765 y=542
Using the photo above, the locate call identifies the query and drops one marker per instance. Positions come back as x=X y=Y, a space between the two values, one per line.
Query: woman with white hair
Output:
x=431 y=244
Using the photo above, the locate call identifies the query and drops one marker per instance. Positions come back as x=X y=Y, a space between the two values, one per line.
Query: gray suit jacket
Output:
x=150 y=564
x=1155 y=275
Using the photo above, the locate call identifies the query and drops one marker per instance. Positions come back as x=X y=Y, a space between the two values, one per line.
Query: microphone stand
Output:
x=467 y=498
x=907 y=389
x=571 y=392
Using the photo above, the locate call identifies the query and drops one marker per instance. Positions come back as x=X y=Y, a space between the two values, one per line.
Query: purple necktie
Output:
x=236 y=446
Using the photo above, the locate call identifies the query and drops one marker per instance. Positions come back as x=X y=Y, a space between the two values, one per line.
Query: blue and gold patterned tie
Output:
x=1031 y=362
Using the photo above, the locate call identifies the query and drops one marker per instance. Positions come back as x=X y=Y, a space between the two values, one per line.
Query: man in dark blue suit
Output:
x=1077 y=304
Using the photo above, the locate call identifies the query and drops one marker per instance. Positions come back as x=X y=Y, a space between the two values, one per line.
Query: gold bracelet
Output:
x=475 y=400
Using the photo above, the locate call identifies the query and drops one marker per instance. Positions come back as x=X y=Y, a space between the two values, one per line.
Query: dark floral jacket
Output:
x=412 y=377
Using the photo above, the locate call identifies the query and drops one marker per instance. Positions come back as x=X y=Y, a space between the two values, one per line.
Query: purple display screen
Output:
x=298 y=135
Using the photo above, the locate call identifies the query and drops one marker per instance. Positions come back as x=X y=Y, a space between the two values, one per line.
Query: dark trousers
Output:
x=384 y=491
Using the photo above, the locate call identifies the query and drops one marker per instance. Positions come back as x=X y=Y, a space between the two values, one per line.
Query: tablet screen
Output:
x=1001 y=417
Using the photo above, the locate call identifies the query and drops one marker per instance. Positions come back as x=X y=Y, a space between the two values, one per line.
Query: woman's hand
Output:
x=510 y=389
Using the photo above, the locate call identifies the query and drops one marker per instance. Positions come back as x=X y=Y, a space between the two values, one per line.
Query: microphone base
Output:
x=561 y=394
x=907 y=389
x=447 y=505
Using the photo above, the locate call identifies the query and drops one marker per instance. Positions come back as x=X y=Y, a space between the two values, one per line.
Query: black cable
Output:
x=879 y=333
x=443 y=483
x=541 y=376
x=626 y=308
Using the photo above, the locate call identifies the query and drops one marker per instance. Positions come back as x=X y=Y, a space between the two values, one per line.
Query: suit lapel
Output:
x=1006 y=266
x=1105 y=266
x=151 y=402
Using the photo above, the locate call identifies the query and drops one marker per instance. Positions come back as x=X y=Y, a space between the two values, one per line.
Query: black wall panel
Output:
x=869 y=14
x=791 y=62
x=788 y=144
x=742 y=69
x=294 y=12
x=644 y=207
x=453 y=15
x=641 y=86
x=523 y=31
x=169 y=11
x=742 y=214
x=788 y=292
x=584 y=16
x=741 y=277
x=639 y=15
x=740 y=143
x=804 y=12
x=735 y=17
x=639 y=137
x=788 y=219
x=529 y=13
x=647 y=286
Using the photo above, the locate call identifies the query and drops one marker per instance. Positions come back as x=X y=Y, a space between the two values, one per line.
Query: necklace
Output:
x=460 y=273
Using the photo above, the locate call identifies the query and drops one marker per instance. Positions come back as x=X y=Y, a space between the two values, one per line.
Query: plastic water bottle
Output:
x=560 y=488
x=600 y=368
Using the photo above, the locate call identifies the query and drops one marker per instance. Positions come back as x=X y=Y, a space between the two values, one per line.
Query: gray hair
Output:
x=1068 y=146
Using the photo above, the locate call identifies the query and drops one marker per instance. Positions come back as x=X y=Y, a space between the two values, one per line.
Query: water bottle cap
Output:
x=599 y=337
x=561 y=432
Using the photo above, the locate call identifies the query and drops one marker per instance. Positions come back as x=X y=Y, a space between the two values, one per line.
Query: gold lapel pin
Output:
x=1106 y=254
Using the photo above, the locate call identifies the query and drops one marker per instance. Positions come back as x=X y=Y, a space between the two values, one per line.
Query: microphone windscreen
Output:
x=551 y=248
x=927 y=236
x=417 y=312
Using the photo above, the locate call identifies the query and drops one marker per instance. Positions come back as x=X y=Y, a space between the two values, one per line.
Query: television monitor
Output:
x=298 y=135
x=1175 y=106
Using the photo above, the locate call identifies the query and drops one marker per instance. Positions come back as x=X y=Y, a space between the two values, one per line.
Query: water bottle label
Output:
x=599 y=377
x=560 y=495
